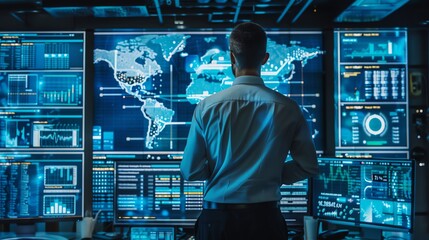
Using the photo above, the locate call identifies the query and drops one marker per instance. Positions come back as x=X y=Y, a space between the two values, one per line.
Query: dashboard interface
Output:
x=371 y=89
x=42 y=112
x=359 y=191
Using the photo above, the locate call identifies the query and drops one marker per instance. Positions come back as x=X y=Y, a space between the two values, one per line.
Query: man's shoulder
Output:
x=215 y=97
x=211 y=100
x=279 y=97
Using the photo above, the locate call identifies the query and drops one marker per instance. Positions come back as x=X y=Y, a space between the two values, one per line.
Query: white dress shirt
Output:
x=239 y=140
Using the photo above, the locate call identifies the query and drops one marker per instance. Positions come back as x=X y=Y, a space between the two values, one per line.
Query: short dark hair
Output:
x=248 y=43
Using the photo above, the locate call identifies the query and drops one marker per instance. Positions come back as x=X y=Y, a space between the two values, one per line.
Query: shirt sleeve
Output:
x=194 y=164
x=304 y=159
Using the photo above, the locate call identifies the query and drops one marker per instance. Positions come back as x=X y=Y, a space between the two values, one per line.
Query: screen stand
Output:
x=25 y=229
x=371 y=233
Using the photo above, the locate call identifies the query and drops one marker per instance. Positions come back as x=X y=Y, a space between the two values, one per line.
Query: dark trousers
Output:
x=242 y=224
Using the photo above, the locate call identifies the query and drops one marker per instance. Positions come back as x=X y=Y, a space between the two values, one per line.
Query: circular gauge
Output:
x=374 y=124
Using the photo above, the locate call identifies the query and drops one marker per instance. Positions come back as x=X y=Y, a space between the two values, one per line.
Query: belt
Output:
x=238 y=206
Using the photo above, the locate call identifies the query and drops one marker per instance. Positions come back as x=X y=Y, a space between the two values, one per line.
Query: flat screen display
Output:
x=378 y=193
x=371 y=93
x=148 y=84
x=42 y=89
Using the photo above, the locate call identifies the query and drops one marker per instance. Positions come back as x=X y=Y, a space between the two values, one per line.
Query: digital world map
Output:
x=149 y=84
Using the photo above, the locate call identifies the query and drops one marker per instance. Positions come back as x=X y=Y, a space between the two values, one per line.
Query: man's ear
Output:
x=267 y=55
x=231 y=55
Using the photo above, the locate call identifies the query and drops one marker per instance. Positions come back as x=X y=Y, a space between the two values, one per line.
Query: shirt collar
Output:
x=251 y=80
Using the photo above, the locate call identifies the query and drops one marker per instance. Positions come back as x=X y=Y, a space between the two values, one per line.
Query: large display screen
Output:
x=358 y=191
x=41 y=91
x=42 y=88
x=40 y=186
x=371 y=93
x=148 y=84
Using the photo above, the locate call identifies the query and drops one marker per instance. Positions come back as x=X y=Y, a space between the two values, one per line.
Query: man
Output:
x=238 y=142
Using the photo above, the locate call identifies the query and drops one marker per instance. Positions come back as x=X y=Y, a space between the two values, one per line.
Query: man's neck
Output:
x=248 y=72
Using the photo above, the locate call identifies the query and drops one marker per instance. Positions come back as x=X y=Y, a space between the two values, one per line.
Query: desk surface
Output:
x=40 y=235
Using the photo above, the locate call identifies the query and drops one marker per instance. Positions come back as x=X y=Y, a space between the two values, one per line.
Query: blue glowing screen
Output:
x=42 y=86
x=359 y=191
x=371 y=93
x=148 y=84
x=41 y=91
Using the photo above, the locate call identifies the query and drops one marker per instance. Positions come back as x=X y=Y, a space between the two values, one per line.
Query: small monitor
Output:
x=154 y=193
x=365 y=192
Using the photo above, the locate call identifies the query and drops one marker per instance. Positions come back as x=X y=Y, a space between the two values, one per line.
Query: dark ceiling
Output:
x=187 y=14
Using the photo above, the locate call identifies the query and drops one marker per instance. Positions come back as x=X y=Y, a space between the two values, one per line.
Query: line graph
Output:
x=343 y=178
x=57 y=138
x=56 y=135
x=17 y=133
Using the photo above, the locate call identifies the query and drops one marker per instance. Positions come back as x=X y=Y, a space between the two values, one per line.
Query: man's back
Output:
x=249 y=129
